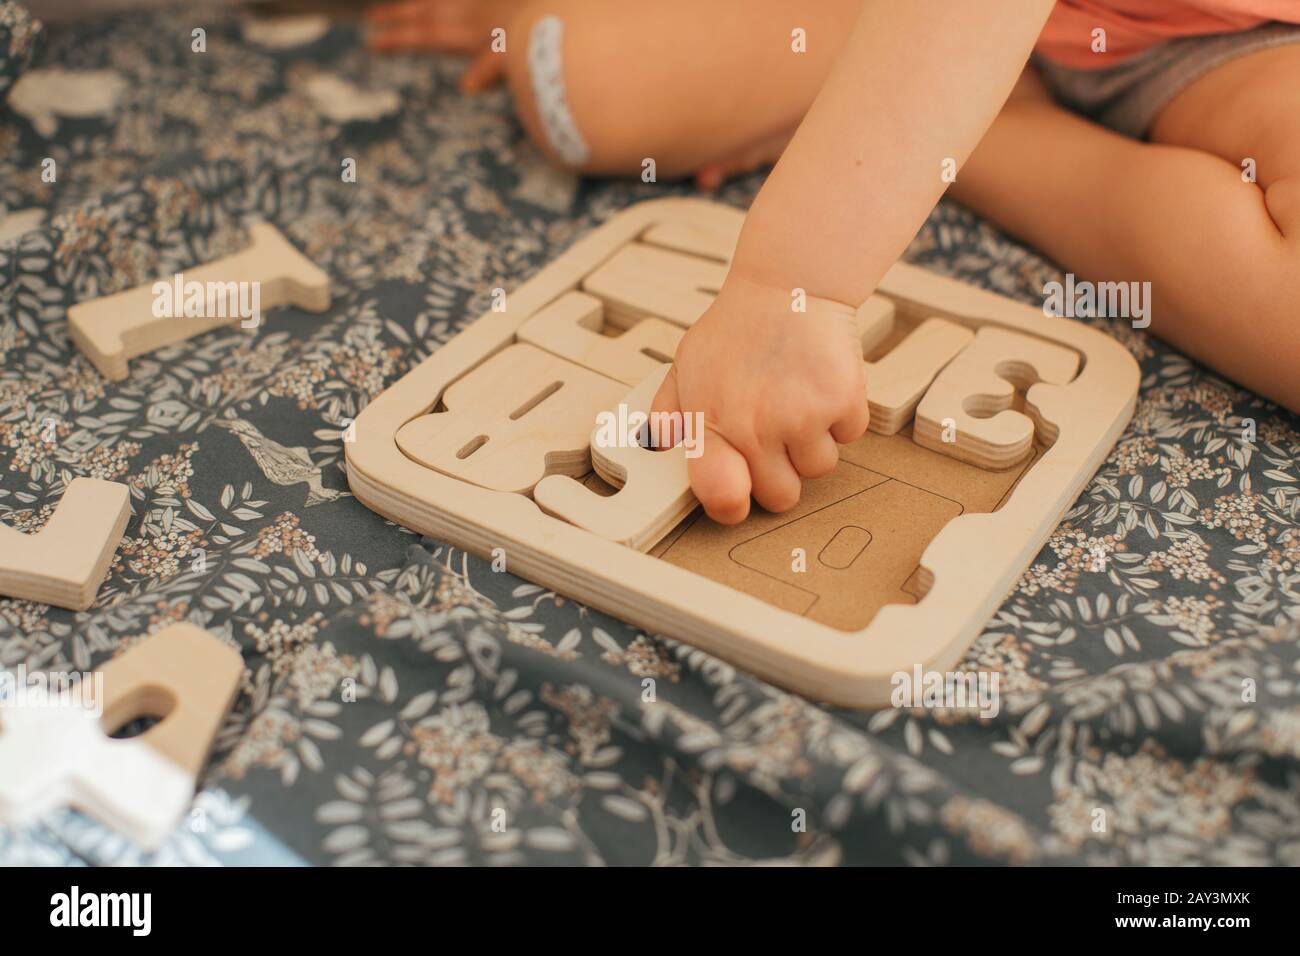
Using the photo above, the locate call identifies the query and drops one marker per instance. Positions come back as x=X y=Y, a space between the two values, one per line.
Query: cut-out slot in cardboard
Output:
x=910 y=547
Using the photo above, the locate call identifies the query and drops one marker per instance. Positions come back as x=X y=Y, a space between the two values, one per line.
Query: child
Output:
x=888 y=93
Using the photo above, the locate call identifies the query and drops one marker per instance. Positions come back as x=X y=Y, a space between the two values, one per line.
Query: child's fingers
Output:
x=814 y=456
x=665 y=400
x=483 y=72
x=720 y=479
x=775 y=482
x=853 y=423
x=719 y=475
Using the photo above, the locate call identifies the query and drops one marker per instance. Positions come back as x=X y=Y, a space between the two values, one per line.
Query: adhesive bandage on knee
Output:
x=546 y=70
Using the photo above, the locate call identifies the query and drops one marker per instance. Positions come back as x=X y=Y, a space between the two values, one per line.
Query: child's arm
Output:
x=918 y=83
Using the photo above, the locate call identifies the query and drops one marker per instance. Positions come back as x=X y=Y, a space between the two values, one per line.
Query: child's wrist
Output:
x=775 y=295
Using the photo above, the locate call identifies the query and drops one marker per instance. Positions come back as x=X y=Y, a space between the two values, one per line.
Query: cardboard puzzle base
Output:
x=988 y=417
x=861 y=530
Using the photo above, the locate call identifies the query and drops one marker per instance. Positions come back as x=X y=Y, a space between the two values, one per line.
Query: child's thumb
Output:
x=663 y=407
x=719 y=473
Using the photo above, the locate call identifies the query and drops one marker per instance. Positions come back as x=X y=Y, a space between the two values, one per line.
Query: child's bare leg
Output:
x=1222 y=255
x=685 y=83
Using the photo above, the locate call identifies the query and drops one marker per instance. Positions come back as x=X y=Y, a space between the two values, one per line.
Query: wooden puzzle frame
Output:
x=1083 y=418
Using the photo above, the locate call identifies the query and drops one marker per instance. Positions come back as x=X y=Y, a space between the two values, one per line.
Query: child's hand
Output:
x=777 y=389
x=444 y=26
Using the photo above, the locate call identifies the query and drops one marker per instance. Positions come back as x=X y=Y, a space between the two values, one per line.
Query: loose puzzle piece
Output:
x=654 y=490
x=118 y=327
x=897 y=381
x=57 y=753
x=571 y=329
x=971 y=398
x=642 y=281
x=520 y=416
x=65 y=562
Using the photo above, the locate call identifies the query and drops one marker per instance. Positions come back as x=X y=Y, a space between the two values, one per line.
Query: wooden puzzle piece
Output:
x=65 y=562
x=520 y=416
x=654 y=491
x=874 y=321
x=971 y=398
x=897 y=381
x=571 y=326
x=112 y=329
x=641 y=281
x=710 y=237
x=60 y=755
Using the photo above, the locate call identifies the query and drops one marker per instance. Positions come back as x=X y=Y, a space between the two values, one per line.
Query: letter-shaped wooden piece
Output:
x=654 y=490
x=570 y=328
x=897 y=381
x=65 y=562
x=642 y=281
x=976 y=389
x=60 y=755
x=112 y=329
x=874 y=321
x=711 y=237
x=521 y=415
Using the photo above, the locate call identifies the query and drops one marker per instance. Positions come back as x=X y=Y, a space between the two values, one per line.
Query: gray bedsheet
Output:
x=1150 y=675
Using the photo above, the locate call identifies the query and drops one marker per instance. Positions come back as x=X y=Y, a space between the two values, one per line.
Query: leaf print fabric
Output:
x=404 y=703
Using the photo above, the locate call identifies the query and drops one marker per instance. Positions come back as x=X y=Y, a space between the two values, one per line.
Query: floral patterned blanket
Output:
x=398 y=693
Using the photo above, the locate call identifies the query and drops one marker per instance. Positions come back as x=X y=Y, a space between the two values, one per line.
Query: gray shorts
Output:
x=1128 y=97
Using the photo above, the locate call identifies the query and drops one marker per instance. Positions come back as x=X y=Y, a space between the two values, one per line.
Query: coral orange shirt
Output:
x=1135 y=25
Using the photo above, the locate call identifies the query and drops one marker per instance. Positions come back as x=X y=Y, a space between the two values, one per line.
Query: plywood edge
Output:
x=65 y=562
x=201 y=673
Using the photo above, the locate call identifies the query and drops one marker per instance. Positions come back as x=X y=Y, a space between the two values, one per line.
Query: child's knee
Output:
x=1283 y=201
x=554 y=75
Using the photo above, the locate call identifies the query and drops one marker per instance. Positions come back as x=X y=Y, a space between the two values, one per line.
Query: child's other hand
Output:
x=777 y=388
x=444 y=26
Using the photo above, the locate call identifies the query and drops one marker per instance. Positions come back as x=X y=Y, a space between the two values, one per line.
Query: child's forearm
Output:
x=915 y=87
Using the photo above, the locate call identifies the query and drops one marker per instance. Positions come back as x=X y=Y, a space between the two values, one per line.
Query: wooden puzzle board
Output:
x=910 y=544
